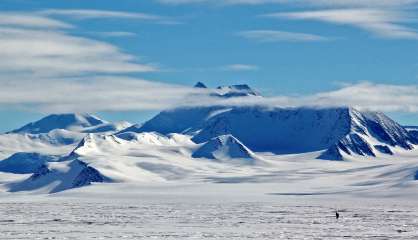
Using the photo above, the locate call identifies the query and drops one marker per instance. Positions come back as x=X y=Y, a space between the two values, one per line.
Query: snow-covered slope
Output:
x=371 y=133
x=55 y=134
x=23 y=162
x=180 y=120
x=70 y=121
x=225 y=147
x=59 y=176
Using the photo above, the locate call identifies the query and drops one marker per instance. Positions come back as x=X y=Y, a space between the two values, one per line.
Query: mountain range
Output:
x=64 y=151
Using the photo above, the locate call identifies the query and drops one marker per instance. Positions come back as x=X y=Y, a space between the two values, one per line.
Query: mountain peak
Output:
x=66 y=121
x=239 y=90
x=200 y=85
x=224 y=147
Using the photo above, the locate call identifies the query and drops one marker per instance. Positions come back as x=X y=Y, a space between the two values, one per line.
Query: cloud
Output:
x=116 y=93
x=240 y=67
x=85 y=14
x=384 y=23
x=329 y=3
x=383 y=18
x=115 y=34
x=379 y=97
x=44 y=68
x=32 y=21
x=45 y=52
x=94 y=14
x=90 y=94
x=279 y=36
x=364 y=96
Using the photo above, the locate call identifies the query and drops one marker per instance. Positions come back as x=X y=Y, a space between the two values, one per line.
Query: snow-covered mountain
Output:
x=72 y=122
x=225 y=147
x=190 y=119
x=59 y=176
x=241 y=90
x=47 y=141
x=340 y=131
x=22 y=162
x=69 y=121
x=73 y=150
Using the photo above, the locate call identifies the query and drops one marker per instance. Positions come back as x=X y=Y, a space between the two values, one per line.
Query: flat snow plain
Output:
x=377 y=199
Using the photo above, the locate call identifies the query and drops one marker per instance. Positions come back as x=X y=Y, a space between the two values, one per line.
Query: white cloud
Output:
x=116 y=93
x=90 y=94
x=45 y=68
x=330 y=3
x=115 y=34
x=382 y=22
x=379 y=97
x=383 y=18
x=39 y=56
x=365 y=96
x=94 y=13
x=240 y=67
x=279 y=36
x=33 y=21
x=45 y=52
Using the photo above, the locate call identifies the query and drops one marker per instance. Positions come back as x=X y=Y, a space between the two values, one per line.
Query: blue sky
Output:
x=298 y=49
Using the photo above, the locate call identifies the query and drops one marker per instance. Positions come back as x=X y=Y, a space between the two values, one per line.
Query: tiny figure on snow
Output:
x=337 y=215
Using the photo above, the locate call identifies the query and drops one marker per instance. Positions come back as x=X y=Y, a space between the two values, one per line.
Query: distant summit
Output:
x=68 y=121
x=63 y=126
x=200 y=85
x=240 y=90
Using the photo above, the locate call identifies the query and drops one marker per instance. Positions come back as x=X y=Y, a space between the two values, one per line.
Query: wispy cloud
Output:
x=279 y=36
x=114 y=34
x=116 y=93
x=41 y=52
x=47 y=68
x=365 y=96
x=85 y=14
x=31 y=21
x=383 y=18
x=94 y=13
x=382 y=22
x=240 y=67
x=90 y=94
x=330 y=3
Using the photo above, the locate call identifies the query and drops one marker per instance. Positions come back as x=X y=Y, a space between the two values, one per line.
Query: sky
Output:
x=129 y=59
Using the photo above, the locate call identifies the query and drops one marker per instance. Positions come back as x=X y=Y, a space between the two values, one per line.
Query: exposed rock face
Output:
x=87 y=176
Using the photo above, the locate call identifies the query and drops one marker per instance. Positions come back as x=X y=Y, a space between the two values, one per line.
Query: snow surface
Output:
x=203 y=211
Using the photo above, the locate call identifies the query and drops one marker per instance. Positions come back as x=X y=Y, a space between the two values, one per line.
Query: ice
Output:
x=203 y=213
